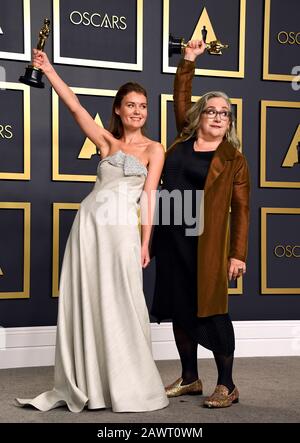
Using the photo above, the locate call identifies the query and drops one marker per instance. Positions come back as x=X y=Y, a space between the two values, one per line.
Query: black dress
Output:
x=175 y=295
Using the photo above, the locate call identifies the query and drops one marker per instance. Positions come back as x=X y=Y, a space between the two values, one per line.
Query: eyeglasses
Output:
x=212 y=113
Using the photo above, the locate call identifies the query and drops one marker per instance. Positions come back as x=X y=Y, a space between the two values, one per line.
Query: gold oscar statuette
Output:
x=33 y=76
x=177 y=45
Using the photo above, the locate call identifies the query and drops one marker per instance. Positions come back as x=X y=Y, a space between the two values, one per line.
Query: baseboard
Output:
x=35 y=346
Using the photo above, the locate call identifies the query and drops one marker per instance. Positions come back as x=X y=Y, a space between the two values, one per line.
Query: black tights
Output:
x=187 y=349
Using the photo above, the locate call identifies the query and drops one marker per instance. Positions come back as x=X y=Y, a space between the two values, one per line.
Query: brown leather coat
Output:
x=227 y=186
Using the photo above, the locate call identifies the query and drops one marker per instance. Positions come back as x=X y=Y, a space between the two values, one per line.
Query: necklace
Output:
x=196 y=148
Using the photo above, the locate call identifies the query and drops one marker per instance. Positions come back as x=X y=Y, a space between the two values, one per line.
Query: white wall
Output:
x=25 y=347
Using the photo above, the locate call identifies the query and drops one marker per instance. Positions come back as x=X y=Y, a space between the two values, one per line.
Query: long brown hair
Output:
x=115 y=124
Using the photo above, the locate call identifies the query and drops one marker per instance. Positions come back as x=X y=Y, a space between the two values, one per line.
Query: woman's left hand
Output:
x=145 y=256
x=236 y=268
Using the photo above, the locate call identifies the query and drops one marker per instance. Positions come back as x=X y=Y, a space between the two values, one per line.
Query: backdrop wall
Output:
x=47 y=166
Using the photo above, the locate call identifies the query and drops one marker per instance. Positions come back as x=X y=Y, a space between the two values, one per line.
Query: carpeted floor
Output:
x=269 y=393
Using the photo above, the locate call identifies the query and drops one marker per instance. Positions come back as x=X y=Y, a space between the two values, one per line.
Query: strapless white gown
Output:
x=103 y=347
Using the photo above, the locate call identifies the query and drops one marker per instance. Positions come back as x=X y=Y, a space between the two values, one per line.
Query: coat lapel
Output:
x=224 y=152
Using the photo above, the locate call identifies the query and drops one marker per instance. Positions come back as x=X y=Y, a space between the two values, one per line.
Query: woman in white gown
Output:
x=103 y=347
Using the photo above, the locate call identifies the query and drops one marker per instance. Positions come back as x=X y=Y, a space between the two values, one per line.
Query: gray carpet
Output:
x=269 y=393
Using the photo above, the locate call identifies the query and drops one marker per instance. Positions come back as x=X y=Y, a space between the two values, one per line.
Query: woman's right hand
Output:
x=193 y=49
x=41 y=61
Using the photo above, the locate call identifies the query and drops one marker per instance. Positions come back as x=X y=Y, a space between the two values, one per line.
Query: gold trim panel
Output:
x=25 y=293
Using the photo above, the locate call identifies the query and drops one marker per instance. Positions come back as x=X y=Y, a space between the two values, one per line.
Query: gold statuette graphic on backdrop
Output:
x=33 y=76
x=177 y=45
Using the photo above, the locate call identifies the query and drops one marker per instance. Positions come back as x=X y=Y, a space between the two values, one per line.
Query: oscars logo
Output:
x=292 y=157
x=98 y=20
x=291 y=38
x=203 y=28
x=33 y=76
x=289 y=251
x=89 y=148
x=6 y=131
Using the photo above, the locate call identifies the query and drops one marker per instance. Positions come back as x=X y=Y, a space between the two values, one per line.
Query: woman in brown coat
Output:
x=193 y=270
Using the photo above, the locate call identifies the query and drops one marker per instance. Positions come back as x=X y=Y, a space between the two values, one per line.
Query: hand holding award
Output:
x=178 y=45
x=34 y=72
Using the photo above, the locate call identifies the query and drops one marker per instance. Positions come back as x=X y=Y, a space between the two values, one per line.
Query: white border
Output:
x=138 y=66
x=26 y=35
x=35 y=346
x=208 y=72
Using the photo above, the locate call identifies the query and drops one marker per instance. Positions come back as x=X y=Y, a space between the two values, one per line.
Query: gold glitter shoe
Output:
x=221 y=398
x=176 y=388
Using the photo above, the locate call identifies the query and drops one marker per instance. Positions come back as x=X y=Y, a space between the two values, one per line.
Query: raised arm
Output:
x=100 y=136
x=183 y=82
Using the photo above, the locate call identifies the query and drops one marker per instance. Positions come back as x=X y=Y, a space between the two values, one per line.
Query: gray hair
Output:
x=194 y=113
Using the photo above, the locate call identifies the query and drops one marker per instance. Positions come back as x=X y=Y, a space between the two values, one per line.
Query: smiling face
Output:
x=133 y=110
x=214 y=127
